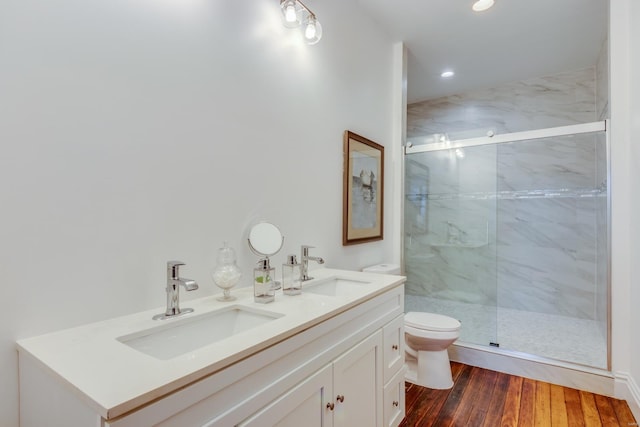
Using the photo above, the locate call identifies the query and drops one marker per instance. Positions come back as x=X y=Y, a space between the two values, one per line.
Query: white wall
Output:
x=625 y=157
x=634 y=196
x=634 y=160
x=135 y=132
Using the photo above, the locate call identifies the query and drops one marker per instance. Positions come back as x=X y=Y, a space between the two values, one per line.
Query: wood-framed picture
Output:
x=363 y=190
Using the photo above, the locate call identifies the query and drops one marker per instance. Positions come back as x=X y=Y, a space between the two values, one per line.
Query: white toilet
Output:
x=427 y=337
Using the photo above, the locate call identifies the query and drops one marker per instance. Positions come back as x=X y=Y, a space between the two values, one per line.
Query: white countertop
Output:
x=114 y=378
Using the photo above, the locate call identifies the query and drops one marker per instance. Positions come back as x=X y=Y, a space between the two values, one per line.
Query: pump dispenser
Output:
x=263 y=282
x=291 y=283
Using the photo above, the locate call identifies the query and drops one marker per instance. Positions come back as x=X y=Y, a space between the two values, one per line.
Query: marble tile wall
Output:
x=531 y=215
x=560 y=99
x=602 y=230
x=602 y=82
x=454 y=270
x=517 y=245
x=602 y=109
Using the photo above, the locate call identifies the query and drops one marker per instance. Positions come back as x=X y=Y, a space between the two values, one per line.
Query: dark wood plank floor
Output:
x=480 y=397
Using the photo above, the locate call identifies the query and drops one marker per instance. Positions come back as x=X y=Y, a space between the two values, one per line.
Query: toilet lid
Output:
x=431 y=321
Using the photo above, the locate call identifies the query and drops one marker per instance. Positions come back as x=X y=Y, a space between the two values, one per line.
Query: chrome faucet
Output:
x=173 y=287
x=305 y=258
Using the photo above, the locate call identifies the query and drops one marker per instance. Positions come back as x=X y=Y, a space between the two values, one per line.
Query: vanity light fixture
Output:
x=295 y=13
x=482 y=5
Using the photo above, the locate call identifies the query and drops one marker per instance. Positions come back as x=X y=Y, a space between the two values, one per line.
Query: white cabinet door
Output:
x=394 y=400
x=357 y=385
x=393 y=342
x=304 y=405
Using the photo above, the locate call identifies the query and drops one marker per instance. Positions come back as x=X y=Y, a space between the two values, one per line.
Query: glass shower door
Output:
x=552 y=247
x=510 y=235
x=450 y=229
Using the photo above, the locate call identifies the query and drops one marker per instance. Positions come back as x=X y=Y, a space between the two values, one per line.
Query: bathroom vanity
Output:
x=332 y=356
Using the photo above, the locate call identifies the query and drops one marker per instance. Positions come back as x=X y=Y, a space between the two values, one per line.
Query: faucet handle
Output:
x=173 y=269
x=305 y=249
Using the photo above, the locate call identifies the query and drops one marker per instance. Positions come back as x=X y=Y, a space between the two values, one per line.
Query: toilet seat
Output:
x=431 y=322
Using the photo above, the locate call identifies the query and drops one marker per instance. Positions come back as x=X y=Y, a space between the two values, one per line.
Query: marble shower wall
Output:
x=547 y=242
x=561 y=99
x=517 y=225
x=450 y=225
x=602 y=110
x=602 y=82
x=602 y=236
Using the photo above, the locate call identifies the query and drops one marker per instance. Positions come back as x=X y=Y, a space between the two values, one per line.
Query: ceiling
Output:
x=514 y=40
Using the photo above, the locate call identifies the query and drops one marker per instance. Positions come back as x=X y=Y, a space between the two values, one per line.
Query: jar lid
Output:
x=226 y=255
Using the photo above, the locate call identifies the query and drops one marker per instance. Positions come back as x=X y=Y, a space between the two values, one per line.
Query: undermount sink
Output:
x=335 y=286
x=174 y=338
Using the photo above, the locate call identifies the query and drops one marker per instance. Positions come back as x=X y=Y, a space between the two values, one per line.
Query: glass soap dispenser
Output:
x=291 y=283
x=226 y=273
x=263 y=282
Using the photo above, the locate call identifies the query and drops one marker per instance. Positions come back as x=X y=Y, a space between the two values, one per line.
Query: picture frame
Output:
x=363 y=190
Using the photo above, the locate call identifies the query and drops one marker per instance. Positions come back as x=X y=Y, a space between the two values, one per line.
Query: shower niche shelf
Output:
x=421 y=257
x=470 y=245
x=454 y=235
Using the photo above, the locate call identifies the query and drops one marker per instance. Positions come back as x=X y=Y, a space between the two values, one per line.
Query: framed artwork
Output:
x=363 y=190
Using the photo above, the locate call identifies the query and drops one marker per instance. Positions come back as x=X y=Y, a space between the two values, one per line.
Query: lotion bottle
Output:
x=263 y=282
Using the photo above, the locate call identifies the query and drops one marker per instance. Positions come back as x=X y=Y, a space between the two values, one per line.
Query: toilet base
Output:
x=432 y=370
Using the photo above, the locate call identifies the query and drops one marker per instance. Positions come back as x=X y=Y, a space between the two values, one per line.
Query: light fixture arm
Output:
x=304 y=6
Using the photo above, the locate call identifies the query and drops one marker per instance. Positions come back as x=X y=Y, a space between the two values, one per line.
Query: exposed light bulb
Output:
x=447 y=74
x=310 y=30
x=290 y=13
x=482 y=5
x=294 y=12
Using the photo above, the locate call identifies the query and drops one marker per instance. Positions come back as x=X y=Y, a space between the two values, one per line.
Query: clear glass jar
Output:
x=226 y=273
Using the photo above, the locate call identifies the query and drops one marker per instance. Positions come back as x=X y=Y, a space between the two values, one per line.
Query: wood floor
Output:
x=481 y=397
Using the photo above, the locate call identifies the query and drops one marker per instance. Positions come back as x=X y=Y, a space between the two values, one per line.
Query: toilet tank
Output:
x=383 y=269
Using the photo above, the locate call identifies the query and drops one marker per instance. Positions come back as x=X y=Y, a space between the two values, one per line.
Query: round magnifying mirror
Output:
x=265 y=239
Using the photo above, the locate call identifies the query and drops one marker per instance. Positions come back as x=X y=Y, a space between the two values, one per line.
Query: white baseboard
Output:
x=627 y=389
x=566 y=374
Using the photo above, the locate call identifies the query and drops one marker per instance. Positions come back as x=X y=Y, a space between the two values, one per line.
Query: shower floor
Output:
x=556 y=337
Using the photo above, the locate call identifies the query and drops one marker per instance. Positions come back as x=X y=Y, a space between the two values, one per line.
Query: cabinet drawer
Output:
x=393 y=344
x=394 y=401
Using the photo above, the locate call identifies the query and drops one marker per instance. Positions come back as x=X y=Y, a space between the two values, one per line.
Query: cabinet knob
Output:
x=340 y=398
x=395 y=346
x=330 y=406
x=395 y=403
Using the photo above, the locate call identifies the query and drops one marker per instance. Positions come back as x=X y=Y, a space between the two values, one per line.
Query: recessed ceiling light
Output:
x=482 y=5
x=447 y=74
